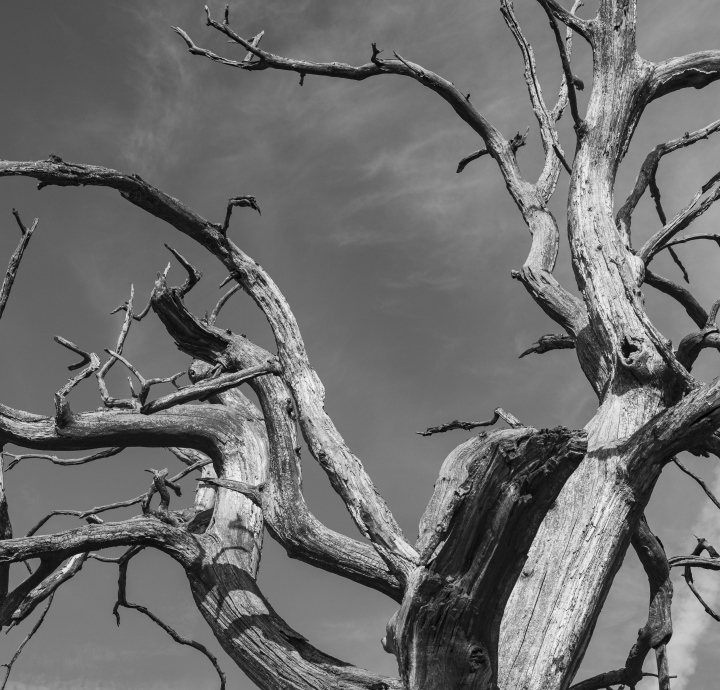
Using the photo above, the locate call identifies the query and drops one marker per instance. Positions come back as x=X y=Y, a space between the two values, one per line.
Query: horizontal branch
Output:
x=512 y=421
x=62 y=461
x=266 y=60
x=140 y=531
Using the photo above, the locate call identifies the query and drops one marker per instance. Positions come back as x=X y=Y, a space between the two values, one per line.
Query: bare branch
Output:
x=693 y=308
x=253 y=492
x=221 y=303
x=239 y=201
x=570 y=19
x=708 y=336
x=48 y=587
x=443 y=87
x=15 y=259
x=702 y=545
x=139 y=531
x=683 y=219
x=469 y=159
x=512 y=421
x=63 y=461
x=648 y=171
x=704 y=486
x=695 y=70
x=127 y=322
x=201 y=391
x=549 y=342
x=27 y=639
x=565 y=59
x=193 y=274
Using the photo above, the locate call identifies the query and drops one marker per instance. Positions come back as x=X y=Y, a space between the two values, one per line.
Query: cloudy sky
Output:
x=397 y=268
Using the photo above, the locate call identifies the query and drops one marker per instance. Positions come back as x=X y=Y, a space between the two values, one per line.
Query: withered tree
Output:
x=526 y=528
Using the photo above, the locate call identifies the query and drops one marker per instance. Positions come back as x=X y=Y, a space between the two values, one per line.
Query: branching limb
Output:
x=648 y=171
x=683 y=219
x=27 y=639
x=499 y=413
x=546 y=343
x=107 y=399
x=122 y=601
x=546 y=119
x=265 y=60
x=344 y=469
x=286 y=514
x=15 y=259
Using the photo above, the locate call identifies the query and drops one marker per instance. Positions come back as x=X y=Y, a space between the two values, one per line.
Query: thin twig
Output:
x=122 y=601
x=63 y=461
x=28 y=637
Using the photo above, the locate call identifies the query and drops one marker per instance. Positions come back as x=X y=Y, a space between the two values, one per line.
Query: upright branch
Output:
x=14 y=264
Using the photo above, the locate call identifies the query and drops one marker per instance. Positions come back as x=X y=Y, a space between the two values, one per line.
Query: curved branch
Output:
x=286 y=514
x=695 y=70
x=346 y=473
x=693 y=308
x=444 y=88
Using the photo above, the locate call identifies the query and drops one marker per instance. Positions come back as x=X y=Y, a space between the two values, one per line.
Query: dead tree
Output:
x=526 y=529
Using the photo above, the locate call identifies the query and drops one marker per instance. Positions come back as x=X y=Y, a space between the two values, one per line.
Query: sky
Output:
x=397 y=269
